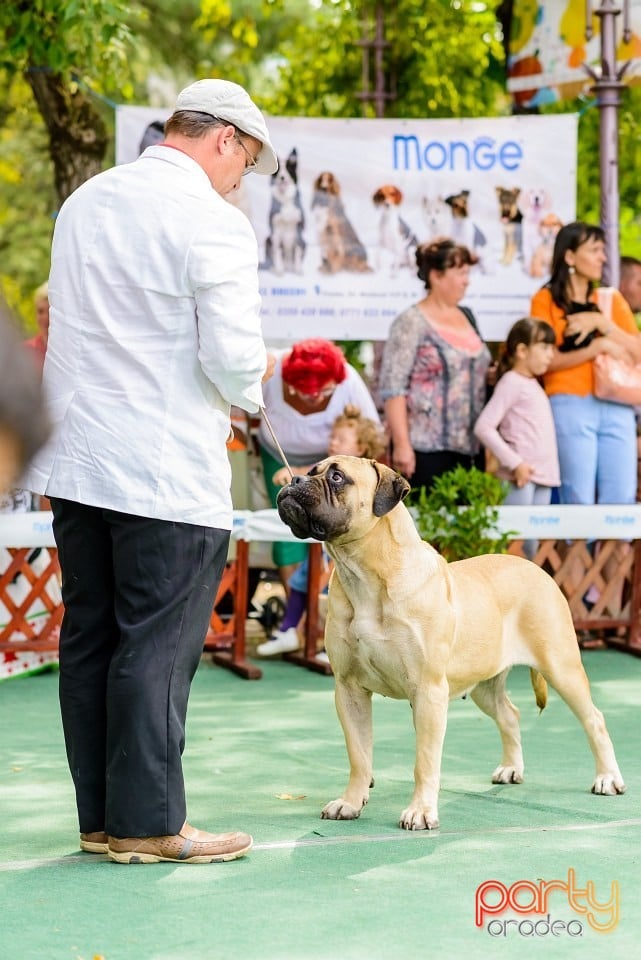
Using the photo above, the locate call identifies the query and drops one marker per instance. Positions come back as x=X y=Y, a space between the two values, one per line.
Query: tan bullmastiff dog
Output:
x=404 y=623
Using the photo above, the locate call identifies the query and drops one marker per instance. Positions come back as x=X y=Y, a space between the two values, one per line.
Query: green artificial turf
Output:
x=265 y=756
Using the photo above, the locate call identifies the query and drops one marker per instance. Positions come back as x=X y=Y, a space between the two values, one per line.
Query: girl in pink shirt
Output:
x=516 y=424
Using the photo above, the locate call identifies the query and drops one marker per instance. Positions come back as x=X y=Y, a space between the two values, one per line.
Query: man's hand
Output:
x=271 y=364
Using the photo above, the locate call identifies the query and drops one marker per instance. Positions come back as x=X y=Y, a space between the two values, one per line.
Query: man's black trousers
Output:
x=138 y=595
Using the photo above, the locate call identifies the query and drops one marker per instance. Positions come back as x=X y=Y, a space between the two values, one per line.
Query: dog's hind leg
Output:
x=490 y=697
x=572 y=685
x=354 y=708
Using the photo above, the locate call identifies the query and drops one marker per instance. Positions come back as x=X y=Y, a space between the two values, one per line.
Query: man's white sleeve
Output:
x=223 y=272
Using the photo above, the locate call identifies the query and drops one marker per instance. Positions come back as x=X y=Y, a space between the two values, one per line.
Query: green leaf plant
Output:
x=459 y=515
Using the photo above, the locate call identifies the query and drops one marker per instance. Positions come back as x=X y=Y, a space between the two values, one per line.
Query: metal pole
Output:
x=378 y=44
x=378 y=60
x=607 y=88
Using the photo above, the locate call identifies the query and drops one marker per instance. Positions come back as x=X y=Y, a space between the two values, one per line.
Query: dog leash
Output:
x=274 y=438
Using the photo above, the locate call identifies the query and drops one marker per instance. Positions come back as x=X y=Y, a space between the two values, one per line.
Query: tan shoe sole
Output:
x=135 y=856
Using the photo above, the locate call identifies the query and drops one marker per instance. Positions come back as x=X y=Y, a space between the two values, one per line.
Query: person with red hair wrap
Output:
x=312 y=384
x=313 y=364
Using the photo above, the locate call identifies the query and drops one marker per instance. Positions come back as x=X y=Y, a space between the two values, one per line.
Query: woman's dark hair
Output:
x=569 y=237
x=528 y=330
x=440 y=255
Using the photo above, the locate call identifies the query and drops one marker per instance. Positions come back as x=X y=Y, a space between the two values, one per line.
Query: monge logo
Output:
x=524 y=897
x=484 y=153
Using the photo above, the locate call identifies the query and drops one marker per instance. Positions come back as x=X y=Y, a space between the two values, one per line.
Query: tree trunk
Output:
x=77 y=135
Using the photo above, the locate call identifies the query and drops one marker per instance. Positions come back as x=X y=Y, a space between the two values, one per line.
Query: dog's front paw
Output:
x=608 y=784
x=507 y=775
x=418 y=818
x=341 y=810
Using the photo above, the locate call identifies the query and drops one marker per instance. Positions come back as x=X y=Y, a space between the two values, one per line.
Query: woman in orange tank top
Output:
x=596 y=438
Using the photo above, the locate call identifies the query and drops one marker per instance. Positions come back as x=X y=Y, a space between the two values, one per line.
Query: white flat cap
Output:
x=231 y=102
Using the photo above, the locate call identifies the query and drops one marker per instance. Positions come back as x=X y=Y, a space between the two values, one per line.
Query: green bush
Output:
x=459 y=515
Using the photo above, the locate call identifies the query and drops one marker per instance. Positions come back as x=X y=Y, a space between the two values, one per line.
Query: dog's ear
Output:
x=291 y=163
x=391 y=488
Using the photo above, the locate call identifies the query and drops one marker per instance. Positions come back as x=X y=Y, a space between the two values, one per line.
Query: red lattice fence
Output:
x=601 y=580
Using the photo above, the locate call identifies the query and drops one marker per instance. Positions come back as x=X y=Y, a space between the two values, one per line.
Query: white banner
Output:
x=594 y=522
x=337 y=227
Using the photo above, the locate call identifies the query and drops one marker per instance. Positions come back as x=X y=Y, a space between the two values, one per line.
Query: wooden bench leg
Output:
x=233 y=637
x=307 y=657
x=632 y=642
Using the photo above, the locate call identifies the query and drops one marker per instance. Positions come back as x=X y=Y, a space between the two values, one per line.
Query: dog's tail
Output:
x=540 y=687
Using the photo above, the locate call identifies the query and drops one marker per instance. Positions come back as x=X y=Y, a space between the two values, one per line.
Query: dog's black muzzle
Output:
x=298 y=504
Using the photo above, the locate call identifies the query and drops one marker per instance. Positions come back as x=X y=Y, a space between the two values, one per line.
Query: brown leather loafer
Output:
x=97 y=842
x=188 y=846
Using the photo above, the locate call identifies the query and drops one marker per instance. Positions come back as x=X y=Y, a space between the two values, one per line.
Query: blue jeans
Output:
x=597 y=449
x=298 y=579
x=532 y=494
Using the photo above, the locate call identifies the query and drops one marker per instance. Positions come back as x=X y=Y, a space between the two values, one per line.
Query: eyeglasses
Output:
x=250 y=162
x=326 y=391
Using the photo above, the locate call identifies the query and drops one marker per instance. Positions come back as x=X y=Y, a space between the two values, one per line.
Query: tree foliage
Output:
x=58 y=46
x=27 y=198
x=588 y=170
x=441 y=59
x=52 y=136
x=65 y=64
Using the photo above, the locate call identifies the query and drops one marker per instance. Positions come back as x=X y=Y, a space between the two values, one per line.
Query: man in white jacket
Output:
x=155 y=332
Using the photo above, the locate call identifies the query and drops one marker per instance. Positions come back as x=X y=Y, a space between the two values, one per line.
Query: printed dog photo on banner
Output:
x=338 y=225
x=348 y=266
x=463 y=229
x=397 y=242
x=437 y=217
x=338 y=241
x=285 y=243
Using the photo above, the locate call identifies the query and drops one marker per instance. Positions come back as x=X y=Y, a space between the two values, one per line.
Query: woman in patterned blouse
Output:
x=434 y=370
